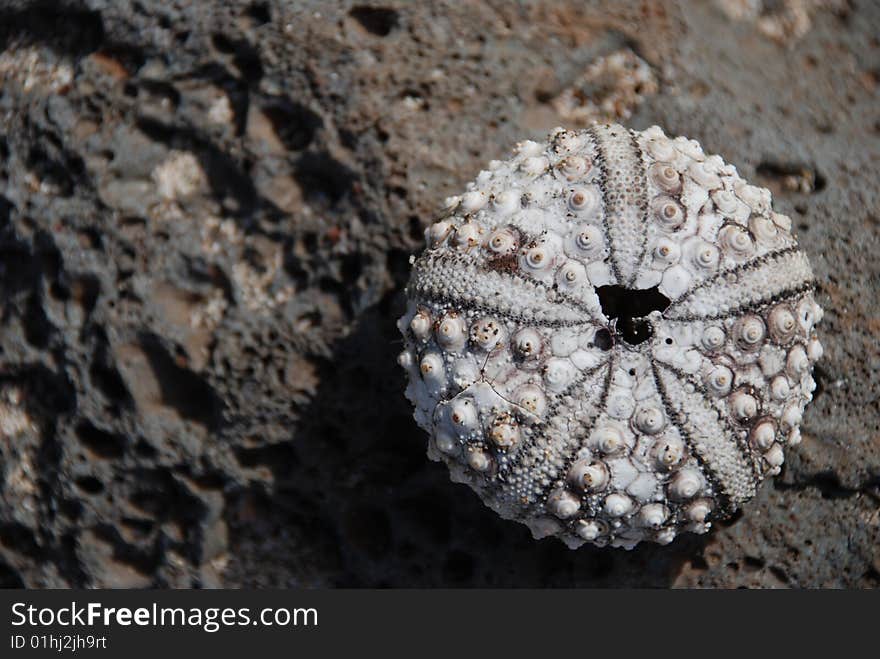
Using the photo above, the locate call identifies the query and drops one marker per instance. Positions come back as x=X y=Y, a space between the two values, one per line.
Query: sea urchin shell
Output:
x=610 y=337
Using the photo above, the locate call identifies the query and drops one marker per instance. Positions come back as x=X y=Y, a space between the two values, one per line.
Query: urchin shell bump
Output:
x=610 y=337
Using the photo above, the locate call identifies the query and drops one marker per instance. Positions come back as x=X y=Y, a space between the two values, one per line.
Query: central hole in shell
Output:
x=630 y=307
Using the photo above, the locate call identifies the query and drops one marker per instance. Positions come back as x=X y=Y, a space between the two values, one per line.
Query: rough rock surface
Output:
x=206 y=212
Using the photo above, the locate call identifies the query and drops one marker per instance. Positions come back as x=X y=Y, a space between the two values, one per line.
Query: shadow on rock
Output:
x=357 y=478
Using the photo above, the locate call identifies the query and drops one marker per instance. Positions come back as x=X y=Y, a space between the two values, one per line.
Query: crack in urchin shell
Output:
x=531 y=392
x=553 y=414
x=573 y=450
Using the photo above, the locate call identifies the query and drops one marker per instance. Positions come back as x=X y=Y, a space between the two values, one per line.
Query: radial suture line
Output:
x=540 y=429
x=603 y=178
x=625 y=202
x=554 y=405
x=532 y=296
x=784 y=266
x=643 y=194
x=576 y=447
x=731 y=476
x=715 y=404
x=787 y=295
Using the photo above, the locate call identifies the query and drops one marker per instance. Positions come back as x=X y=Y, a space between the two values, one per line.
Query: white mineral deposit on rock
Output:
x=610 y=337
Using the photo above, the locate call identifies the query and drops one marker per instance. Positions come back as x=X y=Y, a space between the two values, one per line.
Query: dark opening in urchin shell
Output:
x=631 y=308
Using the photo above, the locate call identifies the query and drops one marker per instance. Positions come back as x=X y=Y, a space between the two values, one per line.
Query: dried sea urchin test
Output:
x=610 y=337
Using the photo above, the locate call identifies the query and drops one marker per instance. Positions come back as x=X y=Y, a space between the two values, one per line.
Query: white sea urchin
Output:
x=610 y=337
